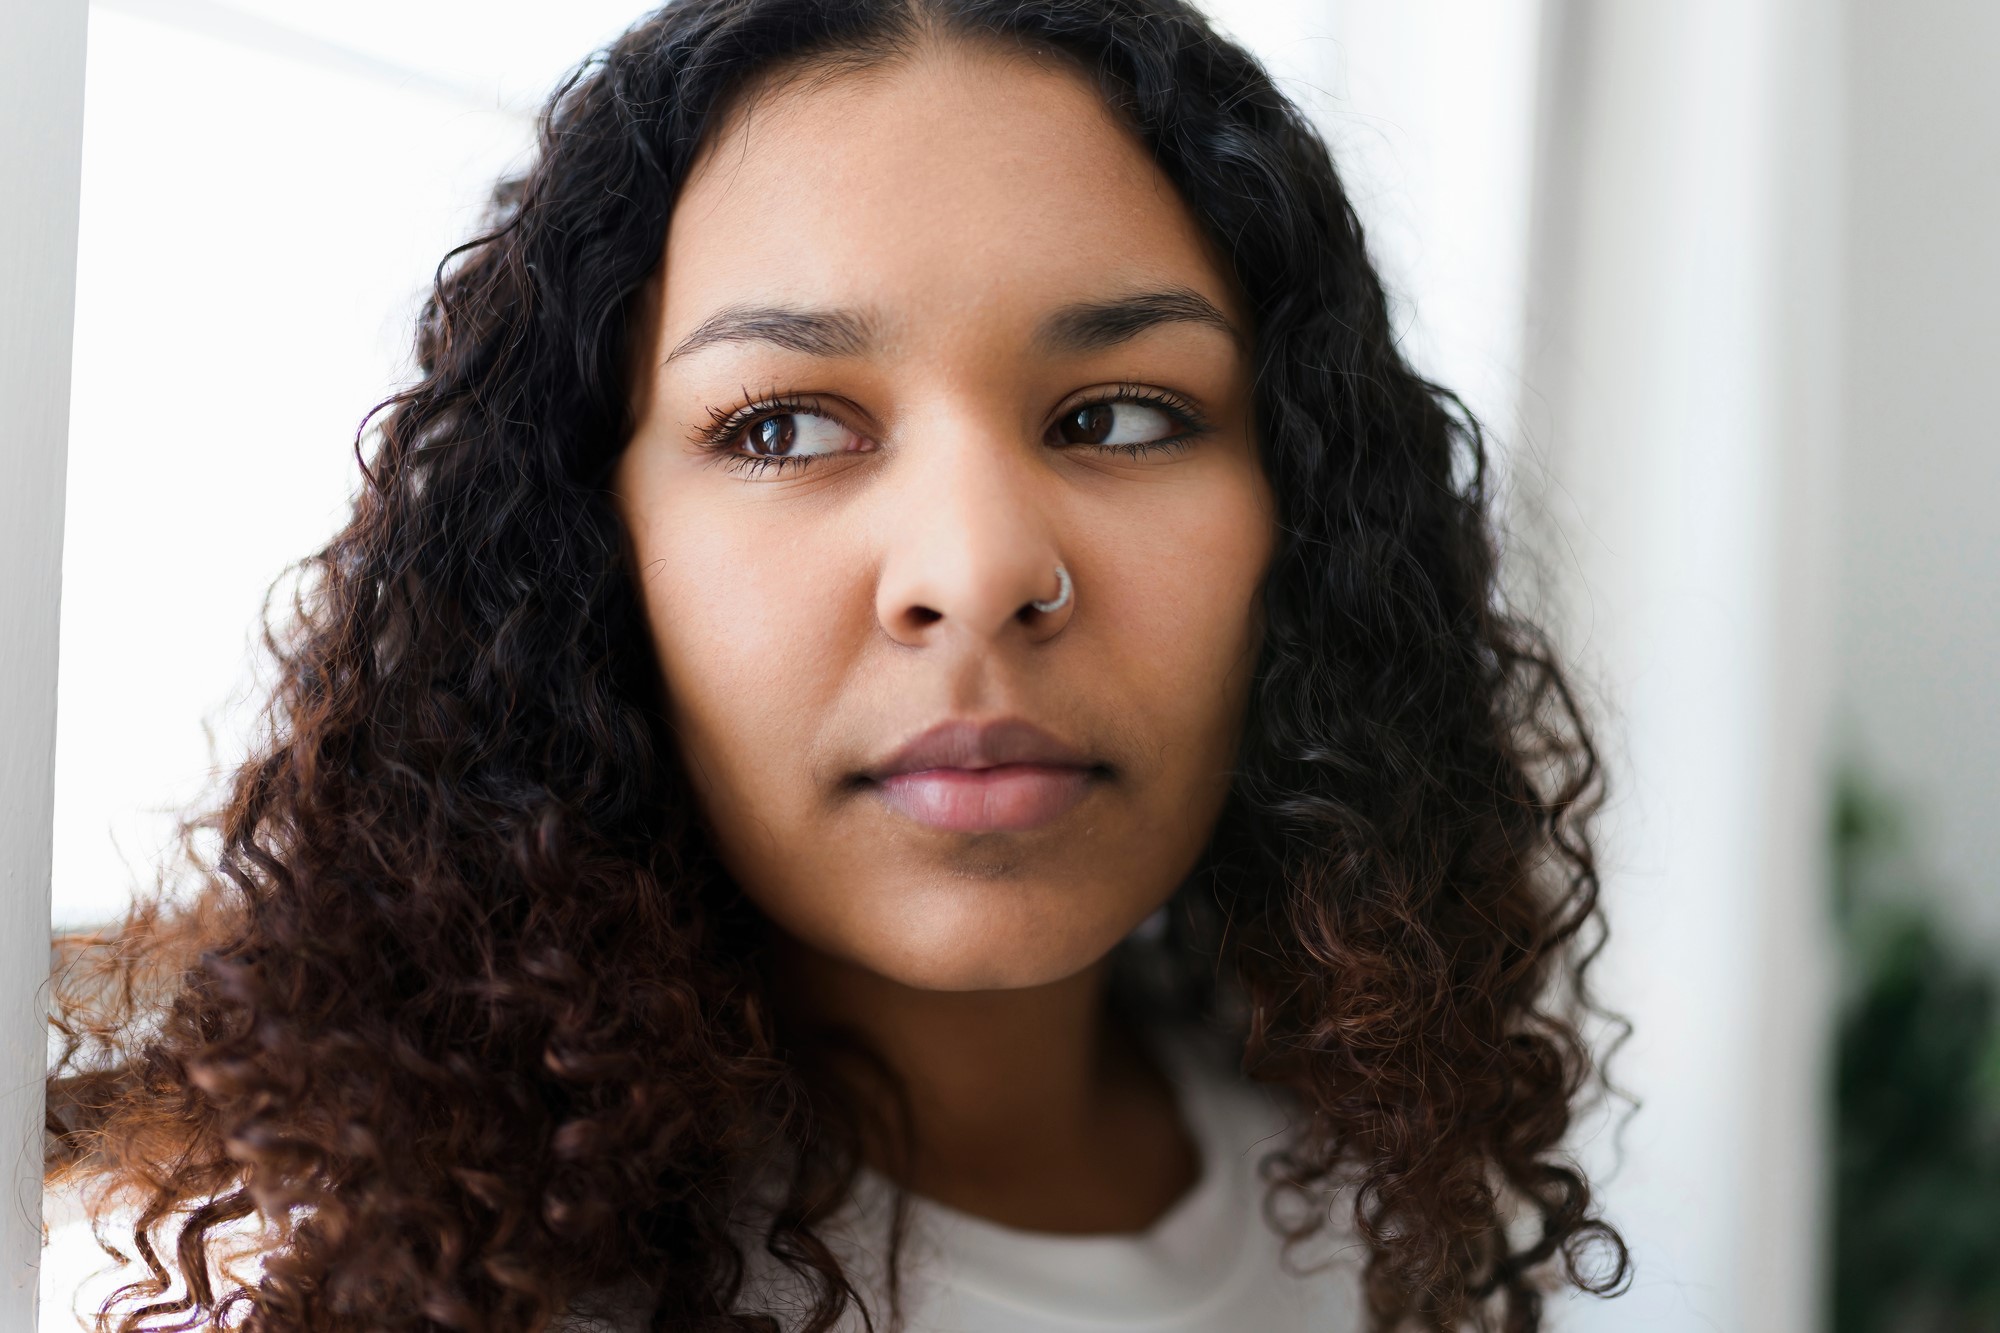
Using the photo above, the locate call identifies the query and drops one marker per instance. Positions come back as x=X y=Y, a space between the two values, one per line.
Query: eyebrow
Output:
x=1095 y=325
x=827 y=333
x=1084 y=327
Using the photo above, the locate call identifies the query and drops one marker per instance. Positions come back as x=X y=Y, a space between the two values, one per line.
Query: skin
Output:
x=953 y=205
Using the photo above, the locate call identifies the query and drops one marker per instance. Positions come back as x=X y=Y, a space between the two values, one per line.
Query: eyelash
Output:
x=726 y=426
x=1186 y=417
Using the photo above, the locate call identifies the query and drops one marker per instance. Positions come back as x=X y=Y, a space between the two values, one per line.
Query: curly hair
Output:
x=462 y=1009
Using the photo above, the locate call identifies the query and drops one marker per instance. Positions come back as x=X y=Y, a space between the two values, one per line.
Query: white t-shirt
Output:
x=1211 y=1264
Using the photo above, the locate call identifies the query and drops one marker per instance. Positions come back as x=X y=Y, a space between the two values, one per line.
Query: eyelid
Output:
x=727 y=425
x=1192 y=419
x=719 y=439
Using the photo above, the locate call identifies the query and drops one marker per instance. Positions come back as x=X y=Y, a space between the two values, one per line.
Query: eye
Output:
x=1133 y=423
x=796 y=434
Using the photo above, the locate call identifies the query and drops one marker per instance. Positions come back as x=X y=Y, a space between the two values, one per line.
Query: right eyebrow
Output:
x=1091 y=326
x=829 y=333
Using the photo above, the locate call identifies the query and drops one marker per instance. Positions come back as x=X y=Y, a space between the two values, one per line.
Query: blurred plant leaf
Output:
x=1917 y=1098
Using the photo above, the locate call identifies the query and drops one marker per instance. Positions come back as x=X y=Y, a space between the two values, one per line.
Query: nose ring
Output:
x=1063 y=589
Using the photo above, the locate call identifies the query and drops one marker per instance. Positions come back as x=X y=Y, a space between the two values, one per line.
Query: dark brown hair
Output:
x=461 y=1001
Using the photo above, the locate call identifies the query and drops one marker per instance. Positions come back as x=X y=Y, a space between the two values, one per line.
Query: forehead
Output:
x=964 y=178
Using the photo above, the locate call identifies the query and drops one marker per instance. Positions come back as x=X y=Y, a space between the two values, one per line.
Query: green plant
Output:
x=1916 y=1189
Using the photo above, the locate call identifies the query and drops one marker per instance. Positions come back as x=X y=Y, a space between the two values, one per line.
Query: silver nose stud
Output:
x=1063 y=589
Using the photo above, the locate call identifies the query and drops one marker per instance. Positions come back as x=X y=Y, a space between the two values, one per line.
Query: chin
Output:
x=1002 y=947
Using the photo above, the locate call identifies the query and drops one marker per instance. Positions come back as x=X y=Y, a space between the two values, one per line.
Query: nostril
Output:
x=920 y=616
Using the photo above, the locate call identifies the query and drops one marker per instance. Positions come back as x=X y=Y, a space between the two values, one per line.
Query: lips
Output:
x=1007 y=775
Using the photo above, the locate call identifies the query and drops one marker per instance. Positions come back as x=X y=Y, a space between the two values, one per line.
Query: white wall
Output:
x=1430 y=111
x=245 y=290
x=1686 y=286
x=41 y=123
x=1919 y=624
x=267 y=187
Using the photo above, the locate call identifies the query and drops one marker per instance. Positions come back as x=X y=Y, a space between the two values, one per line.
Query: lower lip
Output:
x=1007 y=798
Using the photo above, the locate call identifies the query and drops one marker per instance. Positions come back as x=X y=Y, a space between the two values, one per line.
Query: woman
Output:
x=912 y=724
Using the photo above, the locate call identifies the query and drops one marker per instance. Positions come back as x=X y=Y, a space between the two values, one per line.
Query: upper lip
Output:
x=967 y=744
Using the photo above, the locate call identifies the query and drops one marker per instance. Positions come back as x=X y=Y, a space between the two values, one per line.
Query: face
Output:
x=921 y=336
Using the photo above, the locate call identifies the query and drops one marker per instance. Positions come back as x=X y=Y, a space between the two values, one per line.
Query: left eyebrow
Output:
x=1094 y=325
x=826 y=333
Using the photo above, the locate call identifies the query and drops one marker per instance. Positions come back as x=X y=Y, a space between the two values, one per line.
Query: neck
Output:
x=1029 y=1107
x=990 y=1076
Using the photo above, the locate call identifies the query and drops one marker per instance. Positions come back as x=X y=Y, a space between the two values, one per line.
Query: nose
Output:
x=972 y=542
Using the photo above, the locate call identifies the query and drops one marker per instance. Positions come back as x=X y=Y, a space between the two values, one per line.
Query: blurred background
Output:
x=1721 y=277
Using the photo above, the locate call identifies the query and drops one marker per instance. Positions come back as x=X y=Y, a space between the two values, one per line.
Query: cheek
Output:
x=1183 y=602
x=745 y=621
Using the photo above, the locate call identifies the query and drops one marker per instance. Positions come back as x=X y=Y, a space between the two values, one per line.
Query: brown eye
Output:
x=773 y=436
x=1088 y=425
x=802 y=434
x=1119 y=425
